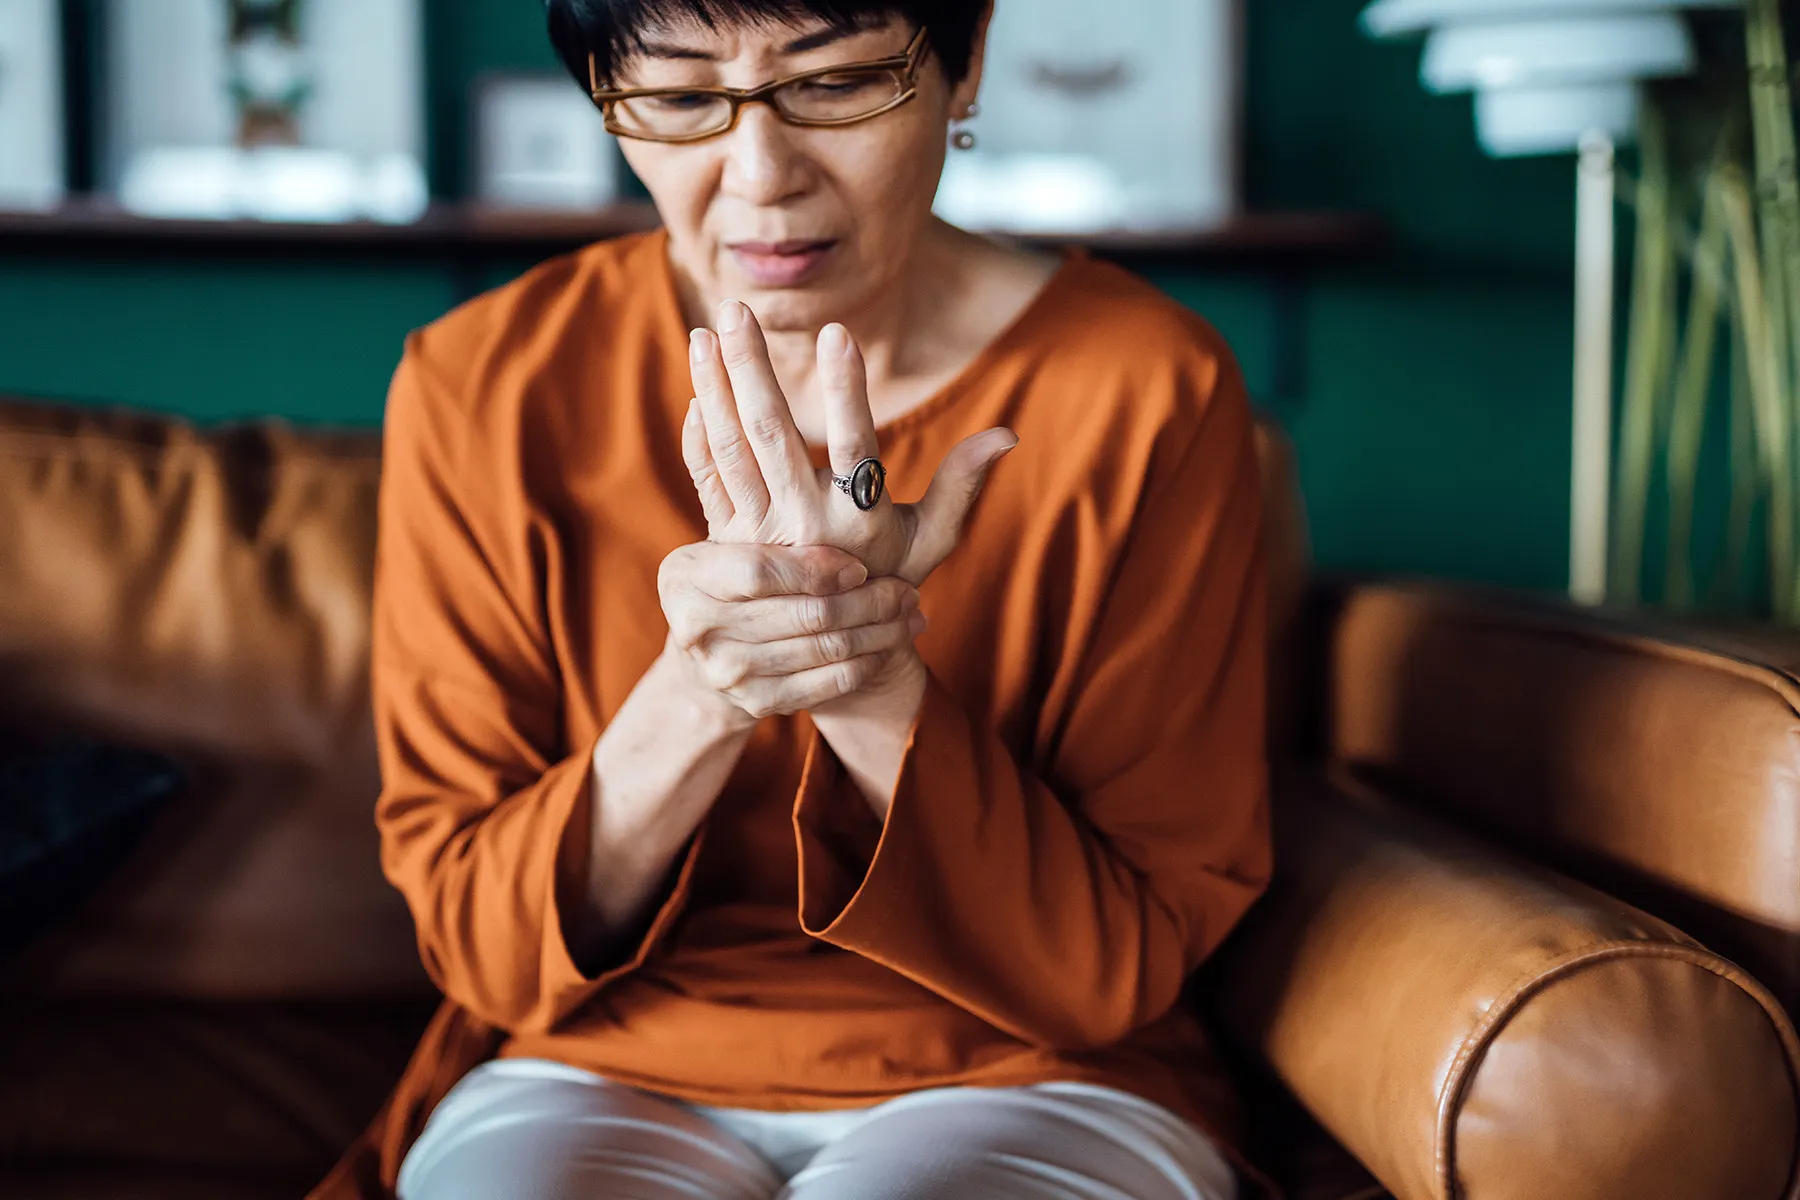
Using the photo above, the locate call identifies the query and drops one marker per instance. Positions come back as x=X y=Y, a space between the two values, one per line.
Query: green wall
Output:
x=1431 y=413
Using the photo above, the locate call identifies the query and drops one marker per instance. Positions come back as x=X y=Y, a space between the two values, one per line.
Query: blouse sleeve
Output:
x=1067 y=907
x=483 y=813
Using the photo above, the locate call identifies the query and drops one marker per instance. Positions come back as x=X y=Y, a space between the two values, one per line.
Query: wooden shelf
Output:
x=92 y=227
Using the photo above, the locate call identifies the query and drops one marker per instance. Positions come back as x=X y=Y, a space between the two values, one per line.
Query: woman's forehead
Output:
x=687 y=38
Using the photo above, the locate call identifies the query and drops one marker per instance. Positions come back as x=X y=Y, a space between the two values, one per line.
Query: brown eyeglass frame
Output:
x=908 y=63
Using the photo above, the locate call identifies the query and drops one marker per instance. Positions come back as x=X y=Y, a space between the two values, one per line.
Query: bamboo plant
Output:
x=1716 y=277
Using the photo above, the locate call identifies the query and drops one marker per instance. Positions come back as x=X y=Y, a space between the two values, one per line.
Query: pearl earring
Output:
x=960 y=136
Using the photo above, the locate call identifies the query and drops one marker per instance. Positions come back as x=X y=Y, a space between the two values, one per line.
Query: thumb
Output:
x=954 y=489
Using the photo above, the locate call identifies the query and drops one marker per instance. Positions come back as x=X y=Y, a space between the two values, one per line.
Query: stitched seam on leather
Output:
x=1461 y=1072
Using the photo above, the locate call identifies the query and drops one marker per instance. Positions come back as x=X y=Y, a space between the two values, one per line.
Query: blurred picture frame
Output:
x=541 y=144
x=1094 y=117
x=303 y=110
x=33 y=151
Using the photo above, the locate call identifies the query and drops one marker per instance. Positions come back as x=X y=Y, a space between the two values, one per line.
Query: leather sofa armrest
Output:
x=1656 y=759
x=1472 y=1028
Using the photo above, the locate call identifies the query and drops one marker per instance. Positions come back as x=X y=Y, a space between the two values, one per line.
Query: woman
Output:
x=740 y=878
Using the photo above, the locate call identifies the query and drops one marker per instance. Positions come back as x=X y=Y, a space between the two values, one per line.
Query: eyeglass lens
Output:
x=822 y=99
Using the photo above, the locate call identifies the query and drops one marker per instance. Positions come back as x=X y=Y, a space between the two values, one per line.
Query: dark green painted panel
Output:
x=1438 y=440
x=311 y=342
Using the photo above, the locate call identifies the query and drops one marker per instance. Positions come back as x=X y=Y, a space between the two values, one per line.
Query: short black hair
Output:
x=611 y=30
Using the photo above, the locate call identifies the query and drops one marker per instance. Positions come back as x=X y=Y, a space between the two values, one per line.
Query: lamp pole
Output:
x=1591 y=470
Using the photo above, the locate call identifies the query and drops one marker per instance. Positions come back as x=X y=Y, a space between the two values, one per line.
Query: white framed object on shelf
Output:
x=32 y=149
x=1122 y=116
x=541 y=144
x=304 y=110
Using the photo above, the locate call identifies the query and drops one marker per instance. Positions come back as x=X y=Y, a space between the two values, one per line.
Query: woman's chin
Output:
x=785 y=310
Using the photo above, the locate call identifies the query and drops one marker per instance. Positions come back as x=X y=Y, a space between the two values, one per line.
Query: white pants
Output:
x=526 y=1129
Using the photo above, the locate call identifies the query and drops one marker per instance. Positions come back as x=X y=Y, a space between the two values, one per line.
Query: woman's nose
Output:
x=762 y=164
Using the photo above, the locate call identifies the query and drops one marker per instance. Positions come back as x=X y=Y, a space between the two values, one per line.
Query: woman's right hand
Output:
x=774 y=630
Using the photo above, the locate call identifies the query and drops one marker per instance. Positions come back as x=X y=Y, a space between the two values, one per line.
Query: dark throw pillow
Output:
x=70 y=813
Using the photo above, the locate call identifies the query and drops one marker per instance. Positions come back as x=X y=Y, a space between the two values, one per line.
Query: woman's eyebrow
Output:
x=816 y=41
x=800 y=45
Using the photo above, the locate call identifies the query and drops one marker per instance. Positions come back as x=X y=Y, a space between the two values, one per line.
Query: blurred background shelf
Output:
x=460 y=229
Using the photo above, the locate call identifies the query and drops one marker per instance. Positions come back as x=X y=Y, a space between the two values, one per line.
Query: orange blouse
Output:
x=1082 y=812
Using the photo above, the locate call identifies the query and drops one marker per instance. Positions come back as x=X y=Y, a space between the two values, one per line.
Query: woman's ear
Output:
x=963 y=95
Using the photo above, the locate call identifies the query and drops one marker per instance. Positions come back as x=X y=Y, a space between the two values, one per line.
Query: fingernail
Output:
x=918 y=624
x=852 y=577
x=910 y=602
x=731 y=316
x=697 y=347
x=834 y=342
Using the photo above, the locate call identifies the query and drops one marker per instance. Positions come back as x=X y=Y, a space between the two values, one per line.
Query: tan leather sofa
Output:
x=1449 y=1008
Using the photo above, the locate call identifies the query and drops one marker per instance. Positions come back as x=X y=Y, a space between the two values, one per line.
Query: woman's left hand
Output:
x=757 y=485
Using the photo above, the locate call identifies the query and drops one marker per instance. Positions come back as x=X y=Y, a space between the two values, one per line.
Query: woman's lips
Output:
x=780 y=264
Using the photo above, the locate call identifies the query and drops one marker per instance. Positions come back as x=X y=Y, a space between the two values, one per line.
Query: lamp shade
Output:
x=1546 y=73
x=1555 y=52
x=1400 y=18
x=1516 y=122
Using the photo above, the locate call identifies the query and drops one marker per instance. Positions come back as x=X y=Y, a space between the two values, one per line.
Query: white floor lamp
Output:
x=1552 y=77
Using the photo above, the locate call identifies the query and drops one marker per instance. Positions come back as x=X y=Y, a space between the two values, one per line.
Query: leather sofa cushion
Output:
x=1468 y=1025
x=206 y=595
x=1658 y=763
x=106 y=1098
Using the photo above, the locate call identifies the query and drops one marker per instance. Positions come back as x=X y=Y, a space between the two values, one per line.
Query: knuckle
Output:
x=834 y=646
x=731 y=454
x=893 y=599
x=715 y=675
x=761 y=576
x=682 y=630
x=849 y=676
x=730 y=670
x=813 y=614
x=766 y=430
x=703 y=473
x=671 y=574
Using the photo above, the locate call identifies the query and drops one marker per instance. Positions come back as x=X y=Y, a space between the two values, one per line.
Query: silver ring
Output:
x=865 y=484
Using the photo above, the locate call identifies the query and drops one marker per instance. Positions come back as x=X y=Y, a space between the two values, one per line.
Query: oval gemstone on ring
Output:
x=867 y=482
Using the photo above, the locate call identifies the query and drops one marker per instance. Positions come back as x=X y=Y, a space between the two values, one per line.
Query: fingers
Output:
x=783 y=617
x=698 y=621
x=738 y=471
x=715 y=501
x=952 y=494
x=784 y=652
x=730 y=573
x=849 y=425
x=740 y=661
x=762 y=407
x=809 y=689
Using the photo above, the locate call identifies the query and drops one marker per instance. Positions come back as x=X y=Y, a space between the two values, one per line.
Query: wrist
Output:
x=701 y=706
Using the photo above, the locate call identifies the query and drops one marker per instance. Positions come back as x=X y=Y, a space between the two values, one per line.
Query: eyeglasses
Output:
x=841 y=95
